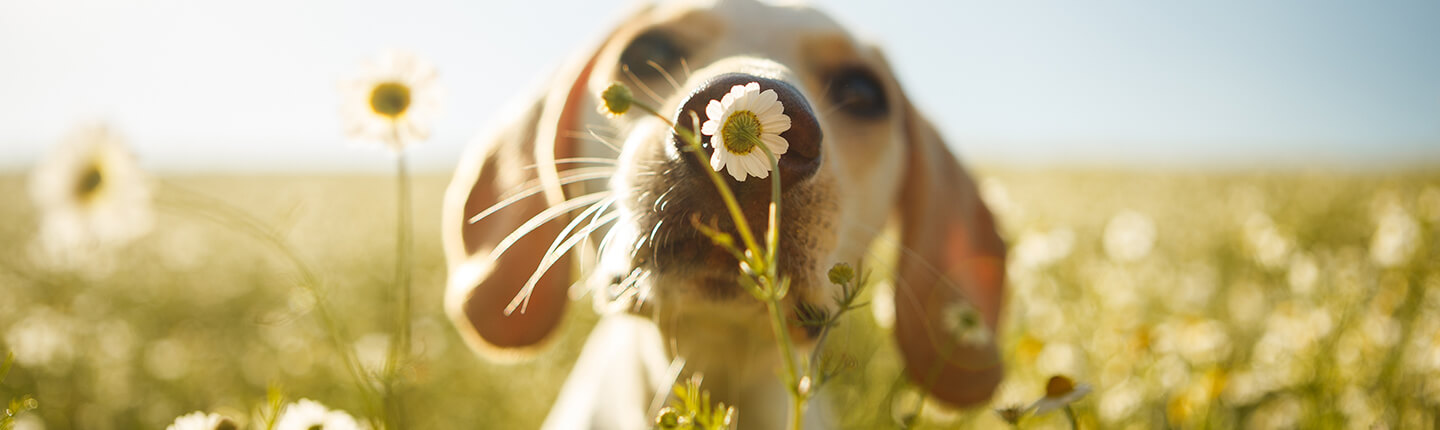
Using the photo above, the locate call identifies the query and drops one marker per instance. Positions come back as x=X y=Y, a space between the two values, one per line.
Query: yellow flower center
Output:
x=741 y=132
x=390 y=99
x=88 y=185
x=1059 y=386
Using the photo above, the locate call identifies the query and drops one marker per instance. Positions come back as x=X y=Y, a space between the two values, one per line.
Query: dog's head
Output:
x=860 y=155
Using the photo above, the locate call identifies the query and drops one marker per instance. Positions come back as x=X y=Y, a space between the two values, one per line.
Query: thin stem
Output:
x=772 y=235
x=731 y=203
x=1070 y=413
x=403 y=270
x=764 y=262
x=782 y=337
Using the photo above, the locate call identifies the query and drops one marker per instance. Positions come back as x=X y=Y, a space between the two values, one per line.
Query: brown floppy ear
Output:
x=951 y=273
x=520 y=155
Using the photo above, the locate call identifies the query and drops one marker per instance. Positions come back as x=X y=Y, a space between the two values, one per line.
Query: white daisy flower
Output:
x=393 y=102
x=308 y=414
x=1060 y=391
x=201 y=421
x=739 y=122
x=964 y=324
x=91 y=194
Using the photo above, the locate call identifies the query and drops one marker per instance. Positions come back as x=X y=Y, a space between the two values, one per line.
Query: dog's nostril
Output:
x=802 y=158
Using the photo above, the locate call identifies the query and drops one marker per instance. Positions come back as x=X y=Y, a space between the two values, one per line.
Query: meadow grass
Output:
x=1189 y=299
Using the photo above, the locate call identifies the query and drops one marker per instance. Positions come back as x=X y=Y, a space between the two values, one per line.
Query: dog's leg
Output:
x=617 y=375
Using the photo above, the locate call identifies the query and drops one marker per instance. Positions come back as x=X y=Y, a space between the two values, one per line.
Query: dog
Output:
x=560 y=190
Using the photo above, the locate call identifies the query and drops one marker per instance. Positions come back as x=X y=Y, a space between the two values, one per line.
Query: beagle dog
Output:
x=561 y=199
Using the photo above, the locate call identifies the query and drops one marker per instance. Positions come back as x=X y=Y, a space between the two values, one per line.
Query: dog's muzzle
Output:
x=804 y=136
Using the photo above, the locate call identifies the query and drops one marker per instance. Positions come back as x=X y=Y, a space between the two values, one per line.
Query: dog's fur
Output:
x=671 y=306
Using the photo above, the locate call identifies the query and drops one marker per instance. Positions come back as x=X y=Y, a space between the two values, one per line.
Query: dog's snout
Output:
x=800 y=161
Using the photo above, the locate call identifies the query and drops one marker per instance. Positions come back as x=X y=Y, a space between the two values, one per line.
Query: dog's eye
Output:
x=857 y=92
x=656 y=47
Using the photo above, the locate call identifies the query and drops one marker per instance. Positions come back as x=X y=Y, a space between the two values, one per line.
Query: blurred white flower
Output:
x=1199 y=341
x=1267 y=244
x=1284 y=412
x=308 y=414
x=1037 y=250
x=1395 y=239
x=1197 y=284
x=739 y=123
x=1060 y=358
x=964 y=324
x=1129 y=236
x=201 y=421
x=44 y=339
x=91 y=195
x=882 y=305
x=393 y=102
x=1303 y=275
x=28 y=421
x=1120 y=401
x=997 y=198
x=1060 y=391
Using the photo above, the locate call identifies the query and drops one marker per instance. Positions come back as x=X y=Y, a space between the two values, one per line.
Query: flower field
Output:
x=1190 y=299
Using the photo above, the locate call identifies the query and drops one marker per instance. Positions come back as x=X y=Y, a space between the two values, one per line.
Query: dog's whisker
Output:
x=591 y=135
x=642 y=291
x=579 y=160
x=685 y=67
x=605 y=242
x=547 y=215
x=664 y=73
x=597 y=211
x=641 y=84
x=564 y=235
x=522 y=299
x=672 y=374
x=661 y=201
x=617 y=291
x=531 y=188
x=655 y=250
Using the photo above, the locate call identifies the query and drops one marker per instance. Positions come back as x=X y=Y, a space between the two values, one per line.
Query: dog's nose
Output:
x=800 y=161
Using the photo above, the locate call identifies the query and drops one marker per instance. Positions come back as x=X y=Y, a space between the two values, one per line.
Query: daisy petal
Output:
x=717 y=160
x=714 y=111
x=775 y=124
x=735 y=170
x=777 y=144
x=760 y=166
x=766 y=98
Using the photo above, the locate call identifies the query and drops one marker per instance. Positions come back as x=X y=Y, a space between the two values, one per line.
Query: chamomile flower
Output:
x=308 y=414
x=91 y=195
x=964 y=324
x=1060 y=392
x=392 y=102
x=1012 y=414
x=201 y=421
x=739 y=123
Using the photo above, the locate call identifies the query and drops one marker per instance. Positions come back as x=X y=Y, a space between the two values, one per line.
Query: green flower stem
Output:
x=763 y=262
x=1070 y=414
x=741 y=225
x=399 y=349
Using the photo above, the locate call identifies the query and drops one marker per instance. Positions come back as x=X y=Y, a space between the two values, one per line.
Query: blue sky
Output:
x=252 y=85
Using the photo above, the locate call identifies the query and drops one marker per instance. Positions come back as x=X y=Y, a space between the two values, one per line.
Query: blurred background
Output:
x=1221 y=214
x=250 y=86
